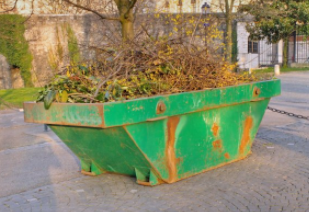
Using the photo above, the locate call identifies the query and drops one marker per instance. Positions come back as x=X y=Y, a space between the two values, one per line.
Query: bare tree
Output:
x=125 y=16
x=229 y=9
x=125 y=11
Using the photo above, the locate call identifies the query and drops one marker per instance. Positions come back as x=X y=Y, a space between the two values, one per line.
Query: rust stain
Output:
x=58 y=107
x=157 y=118
x=149 y=183
x=101 y=114
x=256 y=92
x=190 y=173
x=88 y=173
x=215 y=129
x=179 y=160
x=28 y=107
x=161 y=108
x=143 y=183
x=171 y=160
x=227 y=155
x=246 y=135
x=217 y=145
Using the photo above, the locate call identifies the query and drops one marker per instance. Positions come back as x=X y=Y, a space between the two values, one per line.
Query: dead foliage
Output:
x=151 y=66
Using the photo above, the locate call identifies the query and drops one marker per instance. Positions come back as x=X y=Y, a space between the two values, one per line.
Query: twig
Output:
x=11 y=9
x=105 y=80
x=93 y=11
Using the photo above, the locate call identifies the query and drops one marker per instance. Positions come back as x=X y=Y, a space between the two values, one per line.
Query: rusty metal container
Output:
x=161 y=139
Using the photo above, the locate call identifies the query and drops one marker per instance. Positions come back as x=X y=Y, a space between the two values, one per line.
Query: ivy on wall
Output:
x=56 y=54
x=73 y=46
x=14 y=46
x=56 y=57
x=235 y=42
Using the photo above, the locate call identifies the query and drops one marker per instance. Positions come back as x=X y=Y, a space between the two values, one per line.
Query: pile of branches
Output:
x=152 y=67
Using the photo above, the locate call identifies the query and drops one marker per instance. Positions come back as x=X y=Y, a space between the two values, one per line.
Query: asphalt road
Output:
x=39 y=173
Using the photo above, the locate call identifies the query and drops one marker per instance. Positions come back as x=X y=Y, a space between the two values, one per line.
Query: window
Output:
x=253 y=47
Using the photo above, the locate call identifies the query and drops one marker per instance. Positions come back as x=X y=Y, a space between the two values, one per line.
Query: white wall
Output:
x=245 y=60
x=280 y=52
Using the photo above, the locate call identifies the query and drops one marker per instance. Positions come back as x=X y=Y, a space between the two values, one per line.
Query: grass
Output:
x=282 y=70
x=14 y=98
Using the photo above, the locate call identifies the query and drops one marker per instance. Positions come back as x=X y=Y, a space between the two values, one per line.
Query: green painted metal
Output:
x=161 y=139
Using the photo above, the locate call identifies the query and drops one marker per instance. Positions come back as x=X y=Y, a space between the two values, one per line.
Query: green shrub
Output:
x=14 y=46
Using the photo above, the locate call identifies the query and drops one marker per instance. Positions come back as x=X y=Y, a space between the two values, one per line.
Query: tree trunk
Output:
x=127 y=29
x=285 y=52
x=126 y=19
x=228 y=39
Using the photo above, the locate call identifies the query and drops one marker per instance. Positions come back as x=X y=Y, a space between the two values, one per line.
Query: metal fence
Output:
x=298 y=48
x=268 y=54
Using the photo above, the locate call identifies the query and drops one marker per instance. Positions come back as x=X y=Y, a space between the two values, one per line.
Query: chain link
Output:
x=288 y=113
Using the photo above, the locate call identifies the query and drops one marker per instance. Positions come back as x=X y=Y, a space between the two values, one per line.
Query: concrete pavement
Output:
x=39 y=173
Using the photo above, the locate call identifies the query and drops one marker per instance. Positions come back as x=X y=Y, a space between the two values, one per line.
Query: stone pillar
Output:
x=17 y=81
x=5 y=73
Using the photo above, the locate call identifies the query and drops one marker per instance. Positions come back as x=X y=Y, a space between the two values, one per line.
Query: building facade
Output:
x=254 y=54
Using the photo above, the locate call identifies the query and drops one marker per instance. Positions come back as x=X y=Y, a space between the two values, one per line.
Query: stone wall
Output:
x=16 y=79
x=48 y=39
x=9 y=77
x=5 y=73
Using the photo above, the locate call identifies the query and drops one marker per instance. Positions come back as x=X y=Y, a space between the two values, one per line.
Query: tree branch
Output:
x=232 y=6
x=117 y=2
x=91 y=10
x=13 y=8
x=227 y=7
x=32 y=9
x=131 y=5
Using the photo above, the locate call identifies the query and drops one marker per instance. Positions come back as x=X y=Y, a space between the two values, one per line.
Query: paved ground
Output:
x=38 y=172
